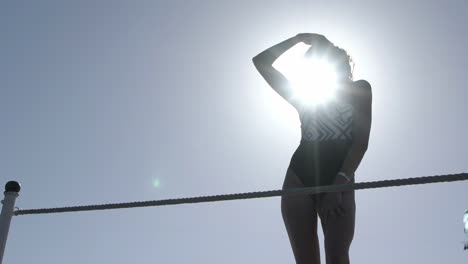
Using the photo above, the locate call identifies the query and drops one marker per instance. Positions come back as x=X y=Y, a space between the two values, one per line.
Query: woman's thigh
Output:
x=339 y=230
x=300 y=218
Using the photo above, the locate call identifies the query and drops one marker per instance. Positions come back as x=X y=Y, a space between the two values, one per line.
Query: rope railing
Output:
x=251 y=195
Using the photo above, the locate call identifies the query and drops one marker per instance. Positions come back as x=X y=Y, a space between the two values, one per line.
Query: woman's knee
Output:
x=337 y=249
x=338 y=258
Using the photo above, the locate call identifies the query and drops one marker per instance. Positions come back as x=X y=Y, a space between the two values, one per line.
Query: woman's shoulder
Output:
x=362 y=86
x=362 y=91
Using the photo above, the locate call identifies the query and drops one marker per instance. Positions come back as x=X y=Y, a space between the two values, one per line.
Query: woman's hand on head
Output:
x=310 y=38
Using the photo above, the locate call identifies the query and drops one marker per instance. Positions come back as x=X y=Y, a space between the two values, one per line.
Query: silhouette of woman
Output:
x=334 y=138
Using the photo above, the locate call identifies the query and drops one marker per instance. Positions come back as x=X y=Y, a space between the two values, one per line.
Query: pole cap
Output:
x=12 y=186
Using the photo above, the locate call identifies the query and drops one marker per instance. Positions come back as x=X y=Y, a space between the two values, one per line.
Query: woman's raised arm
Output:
x=264 y=63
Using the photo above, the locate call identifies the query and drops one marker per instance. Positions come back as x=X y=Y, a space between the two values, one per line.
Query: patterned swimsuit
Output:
x=326 y=137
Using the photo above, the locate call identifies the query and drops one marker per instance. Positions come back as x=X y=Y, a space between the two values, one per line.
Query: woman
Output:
x=334 y=139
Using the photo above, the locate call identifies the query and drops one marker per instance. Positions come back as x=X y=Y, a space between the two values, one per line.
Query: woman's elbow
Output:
x=257 y=61
x=361 y=146
x=260 y=64
x=263 y=59
x=364 y=148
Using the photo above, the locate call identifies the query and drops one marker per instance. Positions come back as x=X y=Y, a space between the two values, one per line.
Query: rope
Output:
x=251 y=195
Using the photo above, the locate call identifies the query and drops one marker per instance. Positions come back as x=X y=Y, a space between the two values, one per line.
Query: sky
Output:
x=116 y=101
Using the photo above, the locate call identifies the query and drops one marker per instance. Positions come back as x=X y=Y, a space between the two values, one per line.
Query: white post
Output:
x=12 y=189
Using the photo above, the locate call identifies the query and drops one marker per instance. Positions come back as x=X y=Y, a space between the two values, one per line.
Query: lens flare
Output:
x=156 y=183
x=465 y=222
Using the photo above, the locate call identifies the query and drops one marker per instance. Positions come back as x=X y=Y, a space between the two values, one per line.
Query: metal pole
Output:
x=12 y=189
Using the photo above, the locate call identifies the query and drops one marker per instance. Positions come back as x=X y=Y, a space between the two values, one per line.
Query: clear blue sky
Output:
x=98 y=99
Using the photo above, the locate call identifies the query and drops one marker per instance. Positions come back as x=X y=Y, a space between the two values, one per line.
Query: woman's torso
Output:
x=326 y=135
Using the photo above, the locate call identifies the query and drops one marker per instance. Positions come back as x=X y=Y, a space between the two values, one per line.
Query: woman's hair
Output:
x=336 y=55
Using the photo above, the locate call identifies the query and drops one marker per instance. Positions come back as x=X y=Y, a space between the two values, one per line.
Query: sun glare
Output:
x=156 y=183
x=314 y=80
x=465 y=221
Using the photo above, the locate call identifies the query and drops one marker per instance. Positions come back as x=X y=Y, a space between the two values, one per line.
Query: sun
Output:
x=313 y=80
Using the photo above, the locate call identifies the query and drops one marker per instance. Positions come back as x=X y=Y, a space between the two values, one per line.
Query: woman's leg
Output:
x=339 y=232
x=300 y=218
